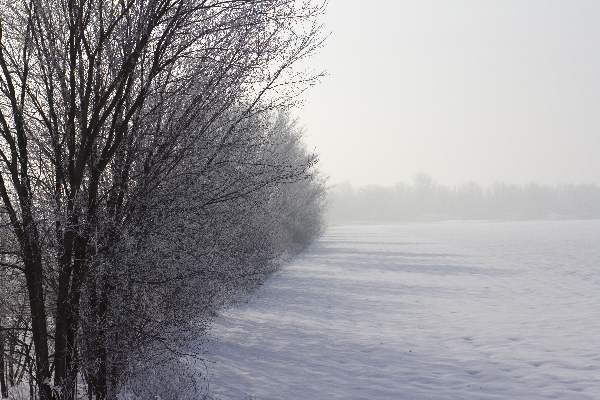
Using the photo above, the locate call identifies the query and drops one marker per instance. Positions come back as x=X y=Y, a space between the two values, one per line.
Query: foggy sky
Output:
x=461 y=90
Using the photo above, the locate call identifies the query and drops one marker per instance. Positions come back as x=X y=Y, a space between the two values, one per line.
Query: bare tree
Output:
x=101 y=101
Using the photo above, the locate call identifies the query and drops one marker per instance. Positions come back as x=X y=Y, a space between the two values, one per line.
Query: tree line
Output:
x=425 y=200
x=149 y=174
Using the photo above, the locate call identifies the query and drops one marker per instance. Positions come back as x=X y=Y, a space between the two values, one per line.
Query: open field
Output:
x=422 y=310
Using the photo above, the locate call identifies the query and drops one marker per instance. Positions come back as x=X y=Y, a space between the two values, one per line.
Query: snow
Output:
x=471 y=310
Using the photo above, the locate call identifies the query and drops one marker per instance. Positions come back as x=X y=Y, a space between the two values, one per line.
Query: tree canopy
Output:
x=148 y=173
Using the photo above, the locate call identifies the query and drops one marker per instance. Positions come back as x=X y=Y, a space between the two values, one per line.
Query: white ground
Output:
x=470 y=310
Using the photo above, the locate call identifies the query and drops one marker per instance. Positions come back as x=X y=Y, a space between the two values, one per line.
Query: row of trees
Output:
x=425 y=200
x=147 y=176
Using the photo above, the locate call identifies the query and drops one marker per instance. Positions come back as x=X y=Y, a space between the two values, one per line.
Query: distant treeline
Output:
x=425 y=200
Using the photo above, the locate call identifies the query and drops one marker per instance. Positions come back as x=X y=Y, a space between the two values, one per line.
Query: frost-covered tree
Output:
x=203 y=237
x=129 y=129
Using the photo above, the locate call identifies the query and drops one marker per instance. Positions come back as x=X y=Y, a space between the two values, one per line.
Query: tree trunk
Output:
x=34 y=278
x=39 y=329
x=96 y=347
x=3 y=387
x=67 y=319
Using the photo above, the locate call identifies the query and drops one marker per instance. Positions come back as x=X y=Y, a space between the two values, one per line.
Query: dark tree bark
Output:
x=3 y=386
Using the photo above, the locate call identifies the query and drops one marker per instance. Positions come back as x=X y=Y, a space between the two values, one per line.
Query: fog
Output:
x=466 y=91
x=426 y=200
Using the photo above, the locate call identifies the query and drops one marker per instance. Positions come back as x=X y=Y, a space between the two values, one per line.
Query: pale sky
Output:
x=461 y=90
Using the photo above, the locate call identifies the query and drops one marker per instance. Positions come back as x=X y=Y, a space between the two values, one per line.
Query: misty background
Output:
x=426 y=200
x=465 y=91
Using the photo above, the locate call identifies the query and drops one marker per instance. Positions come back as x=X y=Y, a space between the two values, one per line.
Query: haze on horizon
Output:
x=463 y=91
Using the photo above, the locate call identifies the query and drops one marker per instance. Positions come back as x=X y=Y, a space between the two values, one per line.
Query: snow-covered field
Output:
x=448 y=310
